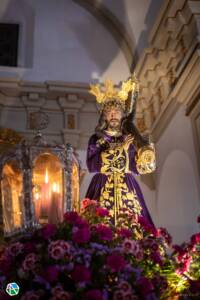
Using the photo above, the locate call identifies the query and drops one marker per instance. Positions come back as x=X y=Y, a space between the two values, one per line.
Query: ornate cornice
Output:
x=168 y=69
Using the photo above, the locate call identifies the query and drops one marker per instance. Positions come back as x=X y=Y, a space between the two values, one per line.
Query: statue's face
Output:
x=113 y=117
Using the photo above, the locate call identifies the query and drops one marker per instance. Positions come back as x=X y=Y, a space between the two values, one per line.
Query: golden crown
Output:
x=109 y=92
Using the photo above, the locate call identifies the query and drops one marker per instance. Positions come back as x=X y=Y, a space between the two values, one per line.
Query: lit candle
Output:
x=54 y=211
x=45 y=195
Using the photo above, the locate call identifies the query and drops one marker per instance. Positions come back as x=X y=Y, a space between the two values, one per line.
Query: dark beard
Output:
x=115 y=127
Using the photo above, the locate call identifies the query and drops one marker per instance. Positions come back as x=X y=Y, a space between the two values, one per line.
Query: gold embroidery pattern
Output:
x=115 y=193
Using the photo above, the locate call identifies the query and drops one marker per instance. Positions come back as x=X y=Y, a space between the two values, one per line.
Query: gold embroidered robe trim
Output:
x=115 y=193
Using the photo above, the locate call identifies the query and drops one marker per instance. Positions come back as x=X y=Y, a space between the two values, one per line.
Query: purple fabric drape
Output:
x=94 y=164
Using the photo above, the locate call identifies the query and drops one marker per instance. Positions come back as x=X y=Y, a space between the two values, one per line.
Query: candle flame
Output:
x=54 y=187
x=46 y=178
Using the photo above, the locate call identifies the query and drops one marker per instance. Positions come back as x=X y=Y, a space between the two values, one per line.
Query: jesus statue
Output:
x=116 y=152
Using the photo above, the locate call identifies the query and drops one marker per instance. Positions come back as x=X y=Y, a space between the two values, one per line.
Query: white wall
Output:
x=177 y=179
x=60 y=40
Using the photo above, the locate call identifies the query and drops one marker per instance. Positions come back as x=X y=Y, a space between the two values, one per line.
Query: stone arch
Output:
x=113 y=25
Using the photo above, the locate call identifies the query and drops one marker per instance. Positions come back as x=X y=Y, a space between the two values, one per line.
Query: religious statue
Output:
x=117 y=151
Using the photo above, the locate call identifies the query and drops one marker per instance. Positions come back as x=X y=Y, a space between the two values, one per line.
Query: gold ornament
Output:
x=146 y=159
x=109 y=93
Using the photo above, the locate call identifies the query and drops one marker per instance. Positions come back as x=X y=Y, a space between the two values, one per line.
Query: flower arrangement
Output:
x=86 y=257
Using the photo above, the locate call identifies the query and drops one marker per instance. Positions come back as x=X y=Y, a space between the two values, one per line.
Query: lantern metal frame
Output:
x=25 y=154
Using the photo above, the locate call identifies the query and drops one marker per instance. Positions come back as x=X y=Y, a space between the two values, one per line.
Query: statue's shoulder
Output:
x=93 y=138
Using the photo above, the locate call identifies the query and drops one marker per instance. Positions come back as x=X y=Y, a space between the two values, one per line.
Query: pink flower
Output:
x=51 y=273
x=30 y=296
x=81 y=274
x=162 y=232
x=48 y=231
x=186 y=264
x=15 y=249
x=30 y=262
x=105 y=233
x=93 y=295
x=124 y=286
x=125 y=233
x=81 y=236
x=58 y=249
x=87 y=202
x=130 y=246
x=56 y=289
x=119 y=295
x=116 y=262
x=102 y=212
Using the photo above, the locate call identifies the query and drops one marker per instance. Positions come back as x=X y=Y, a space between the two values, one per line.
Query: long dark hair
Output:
x=127 y=127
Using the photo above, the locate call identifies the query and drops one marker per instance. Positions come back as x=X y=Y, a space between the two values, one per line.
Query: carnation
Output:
x=81 y=274
x=115 y=262
x=104 y=232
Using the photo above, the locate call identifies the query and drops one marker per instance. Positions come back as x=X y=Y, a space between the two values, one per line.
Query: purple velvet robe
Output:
x=96 y=162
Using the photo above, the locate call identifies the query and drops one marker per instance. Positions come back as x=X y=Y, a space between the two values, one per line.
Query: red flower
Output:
x=48 y=231
x=105 y=233
x=93 y=295
x=116 y=262
x=125 y=233
x=81 y=274
x=195 y=238
x=71 y=217
x=81 y=236
x=146 y=225
x=102 y=212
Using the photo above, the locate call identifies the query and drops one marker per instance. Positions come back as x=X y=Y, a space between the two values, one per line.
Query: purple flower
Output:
x=48 y=231
x=146 y=286
x=105 y=233
x=125 y=233
x=29 y=247
x=93 y=295
x=81 y=274
x=51 y=273
x=102 y=212
x=155 y=256
x=71 y=217
x=81 y=236
x=115 y=262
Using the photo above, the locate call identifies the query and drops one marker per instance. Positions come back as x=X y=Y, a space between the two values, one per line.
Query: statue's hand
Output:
x=127 y=141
